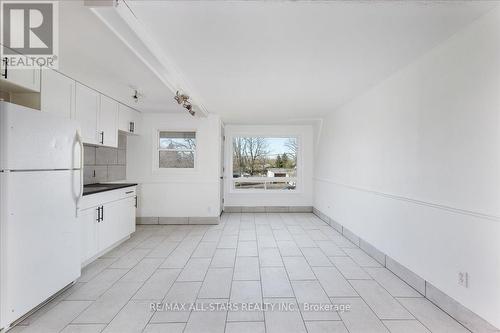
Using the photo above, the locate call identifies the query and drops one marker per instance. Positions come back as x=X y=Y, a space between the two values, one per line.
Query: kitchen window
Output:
x=264 y=163
x=176 y=149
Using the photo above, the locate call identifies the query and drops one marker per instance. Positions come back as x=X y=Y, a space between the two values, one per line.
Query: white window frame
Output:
x=233 y=181
x=157 y=149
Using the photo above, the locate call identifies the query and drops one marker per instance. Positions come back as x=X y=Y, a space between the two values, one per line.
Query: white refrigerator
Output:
x=40 y=185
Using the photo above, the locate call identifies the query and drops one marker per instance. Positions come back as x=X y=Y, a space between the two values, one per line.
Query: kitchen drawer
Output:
x=93 y=200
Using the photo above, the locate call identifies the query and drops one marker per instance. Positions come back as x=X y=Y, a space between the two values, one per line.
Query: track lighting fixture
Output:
x=183 y=100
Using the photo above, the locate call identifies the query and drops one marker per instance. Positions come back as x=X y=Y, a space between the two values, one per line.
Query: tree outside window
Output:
x=258 y=157
x=176 y=149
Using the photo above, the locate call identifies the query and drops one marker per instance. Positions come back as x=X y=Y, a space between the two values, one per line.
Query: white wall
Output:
x=304 y=193
x=176 y=193
x=413 y=166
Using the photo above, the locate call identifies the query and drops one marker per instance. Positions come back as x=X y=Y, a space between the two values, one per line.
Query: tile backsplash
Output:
x=104 y=164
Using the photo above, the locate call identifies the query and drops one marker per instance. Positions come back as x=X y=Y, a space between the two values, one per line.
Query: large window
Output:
x=265 y=163
x=176 y=150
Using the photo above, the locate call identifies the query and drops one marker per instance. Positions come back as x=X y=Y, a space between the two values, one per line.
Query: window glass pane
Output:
x=176 y=159
x=249 y=185
x=281 y=186
x=177 y=140
x=264 y=157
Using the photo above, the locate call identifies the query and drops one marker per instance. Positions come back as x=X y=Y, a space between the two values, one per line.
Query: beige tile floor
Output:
x=273 y=259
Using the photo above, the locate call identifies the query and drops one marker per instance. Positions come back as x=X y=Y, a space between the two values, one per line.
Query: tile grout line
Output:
x=322 y=288
x=330 y=298
x=361 y=297
x=180 y=272
x=291 y=286
x=205 y=275
x=152 y=315
x=93 y=302
x=385 y=266
x=260 y=272
x=107 y=325
x=165 y=259
x=277 y=225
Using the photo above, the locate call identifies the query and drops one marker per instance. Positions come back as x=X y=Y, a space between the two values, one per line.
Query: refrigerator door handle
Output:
x=80 y=167
x=80 y=142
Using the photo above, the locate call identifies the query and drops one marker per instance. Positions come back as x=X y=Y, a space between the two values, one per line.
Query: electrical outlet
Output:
x=463 y=279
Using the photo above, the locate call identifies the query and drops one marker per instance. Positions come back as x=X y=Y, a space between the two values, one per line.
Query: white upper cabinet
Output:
x=108 y=122
x=87 y=113
x=136 y=120
x=57 y=94
x=129 y=120
x=100 y=117
x=19 y=80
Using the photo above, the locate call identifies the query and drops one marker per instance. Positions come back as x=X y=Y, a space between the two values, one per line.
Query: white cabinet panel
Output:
x=105 y=219
x=26 y=78
x=108 y=229
x=125 y=116
x=88 y=233
x=129 y=120
x=126 y=224
x=98 y=117
x=136 y=120
x=19 y=80
x=108 y=121
x=87 y=112
x=57 y=94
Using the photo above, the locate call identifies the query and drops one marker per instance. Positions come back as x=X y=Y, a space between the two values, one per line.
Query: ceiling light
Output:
x=137 y=95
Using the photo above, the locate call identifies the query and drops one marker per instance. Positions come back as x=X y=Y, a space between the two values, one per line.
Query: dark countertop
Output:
x=97 y=188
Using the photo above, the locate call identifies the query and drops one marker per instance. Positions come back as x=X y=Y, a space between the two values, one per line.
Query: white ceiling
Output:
x=92 y=54
x=263 y=62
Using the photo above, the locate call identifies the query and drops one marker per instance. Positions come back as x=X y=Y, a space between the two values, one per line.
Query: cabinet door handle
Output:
x=6 y=63
x=102 y=213
x=98 y=214
x=128 y=192
x=102 y=137
x=136 y=201
x=131 y=127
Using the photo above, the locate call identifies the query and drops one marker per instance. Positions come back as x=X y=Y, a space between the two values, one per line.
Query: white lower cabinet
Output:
x=105 y=219
x=89 y=245
x=128 y=217
x=110 y=228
